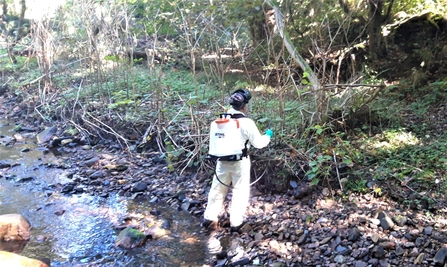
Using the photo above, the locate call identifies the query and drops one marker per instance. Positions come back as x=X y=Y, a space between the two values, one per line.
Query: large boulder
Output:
x=14 y=227
x=12 y=259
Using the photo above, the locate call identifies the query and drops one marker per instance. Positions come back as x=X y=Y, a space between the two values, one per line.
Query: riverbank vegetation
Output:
x=354 y=92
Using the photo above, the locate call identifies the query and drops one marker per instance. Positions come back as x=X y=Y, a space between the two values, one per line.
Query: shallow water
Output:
x=84 y=234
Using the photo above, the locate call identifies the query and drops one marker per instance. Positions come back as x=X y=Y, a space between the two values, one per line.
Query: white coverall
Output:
x=236 y=173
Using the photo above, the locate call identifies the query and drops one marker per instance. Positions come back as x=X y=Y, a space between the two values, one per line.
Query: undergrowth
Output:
x=397 y=146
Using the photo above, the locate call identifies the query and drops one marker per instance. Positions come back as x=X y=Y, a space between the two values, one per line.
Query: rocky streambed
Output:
x=282 y=230
x=306 y=229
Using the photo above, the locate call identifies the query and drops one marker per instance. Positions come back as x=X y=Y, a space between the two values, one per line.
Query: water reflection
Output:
x=79 y=230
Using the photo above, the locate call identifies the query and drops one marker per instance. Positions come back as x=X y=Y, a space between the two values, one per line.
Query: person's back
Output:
x=235 y=174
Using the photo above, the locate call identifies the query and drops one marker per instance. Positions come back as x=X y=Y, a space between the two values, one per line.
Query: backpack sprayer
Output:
x=225 y=144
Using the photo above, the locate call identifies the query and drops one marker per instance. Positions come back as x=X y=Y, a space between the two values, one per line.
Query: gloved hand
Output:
x=269 y=132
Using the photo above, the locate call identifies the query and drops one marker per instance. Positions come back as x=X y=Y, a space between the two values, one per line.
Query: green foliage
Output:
x=359 y=186
x=319 y=167
x=401 y=155
x=23 y=63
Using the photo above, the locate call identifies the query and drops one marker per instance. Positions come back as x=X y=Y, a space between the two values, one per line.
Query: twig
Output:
x=148 y=130
x=77 y=98
x=108 y=127
x=353 y=85
x=38 y=78
x=336 y=168
x=414 y=191
x=81 y=129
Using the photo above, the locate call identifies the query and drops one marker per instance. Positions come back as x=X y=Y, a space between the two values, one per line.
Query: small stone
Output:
x=409 y=245
x=440 y=256
x=360 y=264
x=259 y=236
x=419 y=258
x=353 y=234
x=340 y=259
x=90 y=162
x=414 y=253
x=386 y=223
x=375 y=238
x=399 y=251
x=139 y=187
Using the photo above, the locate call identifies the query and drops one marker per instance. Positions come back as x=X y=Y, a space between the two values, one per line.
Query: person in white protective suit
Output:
x=235 y=173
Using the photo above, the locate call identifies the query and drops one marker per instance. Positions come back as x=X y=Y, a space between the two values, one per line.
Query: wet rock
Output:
x=90 y=162
x=25 y=179
x=26 y=129
x=156 y=232
x=14 y=227
x=46 y=134
x=7 y=141
x=4 y=165
x=115 y=167
x=79 y=189
x=139 y=187
x=130 y=238
x=185 y=205
x=68 y=188
x=96 y=175
x=12 y=259
x=59 y=212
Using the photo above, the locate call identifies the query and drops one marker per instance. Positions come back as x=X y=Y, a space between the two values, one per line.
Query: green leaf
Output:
x=314 y=181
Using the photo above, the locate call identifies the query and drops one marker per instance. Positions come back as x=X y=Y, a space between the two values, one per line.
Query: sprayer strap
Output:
x=232 y=115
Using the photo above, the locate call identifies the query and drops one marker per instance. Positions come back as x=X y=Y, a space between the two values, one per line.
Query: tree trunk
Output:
x=320 y=95
x=256 y=25
x=376 y=47
x=20 y=22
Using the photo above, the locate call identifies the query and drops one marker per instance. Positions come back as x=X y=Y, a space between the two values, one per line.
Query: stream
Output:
x=77 y=230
